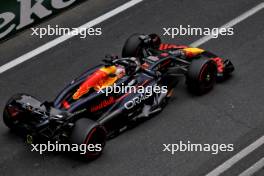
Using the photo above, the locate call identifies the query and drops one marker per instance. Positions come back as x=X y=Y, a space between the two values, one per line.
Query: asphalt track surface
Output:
x=232 y=113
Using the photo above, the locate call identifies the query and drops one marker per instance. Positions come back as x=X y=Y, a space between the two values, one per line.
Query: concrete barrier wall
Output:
x=16 y=15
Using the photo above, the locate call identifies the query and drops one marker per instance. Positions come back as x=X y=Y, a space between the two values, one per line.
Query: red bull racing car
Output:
x=84 y=112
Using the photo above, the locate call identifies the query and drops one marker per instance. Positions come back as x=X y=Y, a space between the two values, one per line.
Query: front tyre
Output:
x=89 y=133
x=201 y=76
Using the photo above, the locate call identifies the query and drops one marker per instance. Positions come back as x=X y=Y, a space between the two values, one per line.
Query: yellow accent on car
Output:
x=108 y=82
x=193 y=51
x=109 y=70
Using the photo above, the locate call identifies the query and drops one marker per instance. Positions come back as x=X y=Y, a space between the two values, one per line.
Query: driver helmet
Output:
x=131 y=70
x=155 y=41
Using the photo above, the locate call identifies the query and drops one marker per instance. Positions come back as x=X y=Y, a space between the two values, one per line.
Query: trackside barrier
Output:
x=16 y=15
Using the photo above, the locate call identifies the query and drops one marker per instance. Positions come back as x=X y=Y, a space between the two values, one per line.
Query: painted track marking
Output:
x=217 y=171
x=246 y=151
x=231 y=23
x=237 y=157
x=254 y=168
x=65 y=37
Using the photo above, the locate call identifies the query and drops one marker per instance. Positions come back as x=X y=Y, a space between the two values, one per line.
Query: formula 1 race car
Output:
x=85 y=112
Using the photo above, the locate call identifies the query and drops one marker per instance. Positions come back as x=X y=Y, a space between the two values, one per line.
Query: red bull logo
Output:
x=103 y=104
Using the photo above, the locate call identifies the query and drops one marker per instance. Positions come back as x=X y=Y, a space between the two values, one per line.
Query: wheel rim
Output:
x=207 y=76
x=96 y=136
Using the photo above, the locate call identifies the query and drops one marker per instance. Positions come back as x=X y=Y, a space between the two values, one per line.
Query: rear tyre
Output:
x=91 y=134
x=201 y=76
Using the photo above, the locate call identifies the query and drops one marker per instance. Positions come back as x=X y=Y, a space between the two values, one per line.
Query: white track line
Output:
x=63 y=38
x=233 y=160
x=231 y=23
x=104 y=17
x=254 y=168
x=220 y=169
x=243 y=153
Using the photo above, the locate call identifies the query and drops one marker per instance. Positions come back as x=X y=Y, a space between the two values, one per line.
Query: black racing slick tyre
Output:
x=89 y=133
x=201 y=76
x=133 y=47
